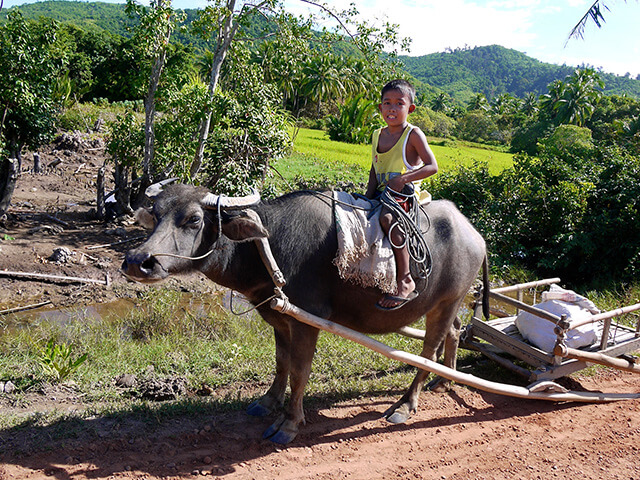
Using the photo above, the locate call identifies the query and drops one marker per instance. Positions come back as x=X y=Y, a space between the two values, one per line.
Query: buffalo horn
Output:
x=154 y=190
x=210 y=200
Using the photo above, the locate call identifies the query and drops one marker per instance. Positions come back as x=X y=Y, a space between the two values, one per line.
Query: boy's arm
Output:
x=420 y=151
x=372 y=186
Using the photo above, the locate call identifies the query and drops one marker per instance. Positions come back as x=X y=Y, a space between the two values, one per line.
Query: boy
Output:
x=401 y=155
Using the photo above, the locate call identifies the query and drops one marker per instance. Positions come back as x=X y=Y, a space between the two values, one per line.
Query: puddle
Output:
x=195 y=304
x=66 y=316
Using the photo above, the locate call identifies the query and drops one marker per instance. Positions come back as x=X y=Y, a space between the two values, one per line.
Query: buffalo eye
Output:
x=193 y=221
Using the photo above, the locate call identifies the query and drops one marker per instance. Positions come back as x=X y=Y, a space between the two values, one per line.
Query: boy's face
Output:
x=395 y=107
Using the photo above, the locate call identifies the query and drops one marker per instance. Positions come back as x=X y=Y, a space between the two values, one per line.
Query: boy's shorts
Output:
x=405 y=202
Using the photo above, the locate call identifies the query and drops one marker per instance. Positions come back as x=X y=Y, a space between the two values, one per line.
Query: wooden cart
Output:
x=501 y=341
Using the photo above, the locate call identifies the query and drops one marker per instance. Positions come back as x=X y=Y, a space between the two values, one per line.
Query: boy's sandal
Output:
x=402 y=301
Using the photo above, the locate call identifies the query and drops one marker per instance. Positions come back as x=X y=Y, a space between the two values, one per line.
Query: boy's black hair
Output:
x=402 y=86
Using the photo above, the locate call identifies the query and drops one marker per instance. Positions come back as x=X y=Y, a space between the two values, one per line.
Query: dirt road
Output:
x=458 y=435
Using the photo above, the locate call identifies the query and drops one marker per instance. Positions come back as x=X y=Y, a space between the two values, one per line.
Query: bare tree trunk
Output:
x=225 y=36
x=8 y=177
x=150 y=105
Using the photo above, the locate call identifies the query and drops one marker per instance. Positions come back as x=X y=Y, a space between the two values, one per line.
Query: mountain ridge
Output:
x=494 y=70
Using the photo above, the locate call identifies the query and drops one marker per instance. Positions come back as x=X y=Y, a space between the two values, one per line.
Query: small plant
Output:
x=6 y=238
x=57 y=362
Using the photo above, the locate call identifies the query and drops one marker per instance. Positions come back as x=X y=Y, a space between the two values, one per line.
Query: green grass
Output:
x=315 y=154
x=233 y=356
x=192 y=337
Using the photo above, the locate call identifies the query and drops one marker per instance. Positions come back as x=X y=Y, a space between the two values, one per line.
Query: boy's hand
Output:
x=396 y=183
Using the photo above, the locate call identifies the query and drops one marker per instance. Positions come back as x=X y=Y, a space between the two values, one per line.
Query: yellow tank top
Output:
x=394 y=163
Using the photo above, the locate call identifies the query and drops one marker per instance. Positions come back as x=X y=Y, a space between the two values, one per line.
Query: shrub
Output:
x=476 y=126
x=570 y=212
x=432 y=123
x=355 y=122
x=570 y=138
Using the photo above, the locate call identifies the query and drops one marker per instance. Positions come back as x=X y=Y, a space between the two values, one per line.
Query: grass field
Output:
x=314 y=154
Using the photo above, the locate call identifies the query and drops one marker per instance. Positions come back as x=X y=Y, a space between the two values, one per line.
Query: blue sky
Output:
x=538 y=28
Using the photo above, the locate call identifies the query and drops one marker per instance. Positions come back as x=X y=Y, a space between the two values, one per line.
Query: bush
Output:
x=432 y=123
x=355 y=122
x=569 y=212
x=570 y=138
x=526 y=137
x=476 y=126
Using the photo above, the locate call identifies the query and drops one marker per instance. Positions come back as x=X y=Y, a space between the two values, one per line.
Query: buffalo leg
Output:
x=400 y=411
x=451 y=343
x=286 y=427
x=273 y=400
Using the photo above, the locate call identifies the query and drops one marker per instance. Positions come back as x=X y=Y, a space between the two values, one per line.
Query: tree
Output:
x=29 y=65
x=355 y=122
x=477 y=126
x=152 y=37
x=220 y=22
x=529 y=105
x=323 y=79
x=549 y=101
x=478 y=102
x=441 y=102
x=580 y=97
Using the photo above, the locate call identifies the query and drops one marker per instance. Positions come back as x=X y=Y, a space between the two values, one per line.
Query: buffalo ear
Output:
x=244 y=227
x=145 y=218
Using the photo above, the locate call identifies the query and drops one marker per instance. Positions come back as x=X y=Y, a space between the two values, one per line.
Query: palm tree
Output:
x=280 y=66
x=594 y=14
x=441 y=103
x=323 y=80
x=504 y=104
x=478 y=102
x=529 y=105
x=580 y=97
x=549 y=100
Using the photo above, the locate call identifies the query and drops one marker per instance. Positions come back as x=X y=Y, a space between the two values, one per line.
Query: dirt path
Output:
x=460 y=435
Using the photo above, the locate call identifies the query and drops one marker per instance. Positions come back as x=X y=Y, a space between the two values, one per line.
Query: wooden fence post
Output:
x=36 y=163
x=100 y=194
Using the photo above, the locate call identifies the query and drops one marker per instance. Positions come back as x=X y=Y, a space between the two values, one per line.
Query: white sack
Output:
x=559 y=302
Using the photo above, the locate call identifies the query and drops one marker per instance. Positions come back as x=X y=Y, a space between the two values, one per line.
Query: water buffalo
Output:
x=189 y=221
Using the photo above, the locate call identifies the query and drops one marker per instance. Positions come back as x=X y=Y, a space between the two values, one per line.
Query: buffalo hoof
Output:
x=439 y=385
x=257 y=409
x=281 y=431
x=399 y=414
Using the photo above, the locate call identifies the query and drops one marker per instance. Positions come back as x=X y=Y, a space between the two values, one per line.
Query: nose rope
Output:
x=183 y=257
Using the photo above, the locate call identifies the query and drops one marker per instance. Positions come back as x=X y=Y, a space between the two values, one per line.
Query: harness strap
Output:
x=270 y=262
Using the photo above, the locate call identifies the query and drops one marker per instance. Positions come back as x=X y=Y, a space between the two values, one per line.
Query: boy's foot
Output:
x=393 y=302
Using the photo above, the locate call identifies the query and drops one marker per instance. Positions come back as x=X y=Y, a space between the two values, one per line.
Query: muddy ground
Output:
x=463 y=434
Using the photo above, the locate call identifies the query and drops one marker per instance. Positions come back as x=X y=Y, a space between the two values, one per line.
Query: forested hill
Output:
x=92 y=16
x=494 y=70
x=462 y=73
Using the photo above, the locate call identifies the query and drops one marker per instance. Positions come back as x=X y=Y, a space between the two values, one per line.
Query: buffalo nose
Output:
x=142 y=262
